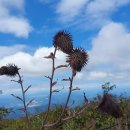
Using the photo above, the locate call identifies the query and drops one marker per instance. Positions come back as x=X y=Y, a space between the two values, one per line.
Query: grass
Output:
x=88 y=120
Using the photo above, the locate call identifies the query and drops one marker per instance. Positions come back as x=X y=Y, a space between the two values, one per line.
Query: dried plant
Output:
x=109 y=106
x=63 y=41
x=12 y=70
x=9 y=70
x=77 y=59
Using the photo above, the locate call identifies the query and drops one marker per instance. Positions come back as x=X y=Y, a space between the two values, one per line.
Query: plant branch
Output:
x=59 y=121
x=66 y=119
x=51 y=85
x=23 y=98
x=68 y=98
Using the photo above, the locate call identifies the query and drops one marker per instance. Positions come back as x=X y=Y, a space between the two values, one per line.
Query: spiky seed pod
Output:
x=9 y=70
x=78 y=59
x=3 y=70
x=12 y=70
x=63 y=41
x=109 y=106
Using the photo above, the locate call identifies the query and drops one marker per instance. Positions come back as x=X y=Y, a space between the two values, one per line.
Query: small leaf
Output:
x=30 y=102
x=61 y=66
x=48 y=77
x=27 y=88
x=50 y=56
x=56 y=90
x=17 y=97
x=77 y=88
x=65 y=79
x=54 y=83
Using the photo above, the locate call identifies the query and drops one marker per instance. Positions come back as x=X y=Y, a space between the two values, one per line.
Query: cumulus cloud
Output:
x=10 y=50
x=97 y=75
x=109 y=56
x=92 y=12
x=13 y=24
x=35 y=64
x=33 y=67
x=69 y=9
x=100 y=8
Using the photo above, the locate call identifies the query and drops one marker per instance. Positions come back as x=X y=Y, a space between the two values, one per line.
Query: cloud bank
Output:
x=16 y=24
x=35 y=64
x=88 y=12
x=108 y=57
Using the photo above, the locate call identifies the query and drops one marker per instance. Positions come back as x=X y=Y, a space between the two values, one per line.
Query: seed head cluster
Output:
x=9 y=70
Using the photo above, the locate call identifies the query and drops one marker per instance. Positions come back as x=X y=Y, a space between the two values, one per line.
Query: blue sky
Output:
x=102 y=27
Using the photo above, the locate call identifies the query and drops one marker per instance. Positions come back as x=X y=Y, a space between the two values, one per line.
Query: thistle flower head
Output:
x=109 y=106
x=3 y=70
x=78 y=59
x=9 y=70
x=63 y=41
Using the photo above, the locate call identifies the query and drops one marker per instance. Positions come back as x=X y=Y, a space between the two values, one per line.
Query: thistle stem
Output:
x=50 y=93
x=24 y=100
x=68 y=98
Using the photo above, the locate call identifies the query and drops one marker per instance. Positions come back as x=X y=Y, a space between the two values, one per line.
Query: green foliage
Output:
x=4 y=111
x=107 y=87
x=90 y=119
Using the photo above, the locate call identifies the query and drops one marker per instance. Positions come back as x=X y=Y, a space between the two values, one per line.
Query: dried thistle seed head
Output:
x=109 y=106
x=3 y=70
x=78 y=59
x=9 y=70
x=63 y=41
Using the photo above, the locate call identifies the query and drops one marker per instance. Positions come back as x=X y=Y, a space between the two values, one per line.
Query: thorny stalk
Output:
x=61 y=119
x=68 y=98
x=24 y=100
x=50 y=96
x=50 y=93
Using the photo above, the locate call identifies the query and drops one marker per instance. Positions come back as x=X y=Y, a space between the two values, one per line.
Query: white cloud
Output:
x=9 y=23
x=102 y=8
x=34 y=65
x=92 y=12
x=97 y=75
x=9 y=50
x=110 y=53
x=68 y=9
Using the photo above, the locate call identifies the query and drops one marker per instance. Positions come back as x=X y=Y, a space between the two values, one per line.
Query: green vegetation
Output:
x=4 y=111
x=103 y=112
x=90 y=119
